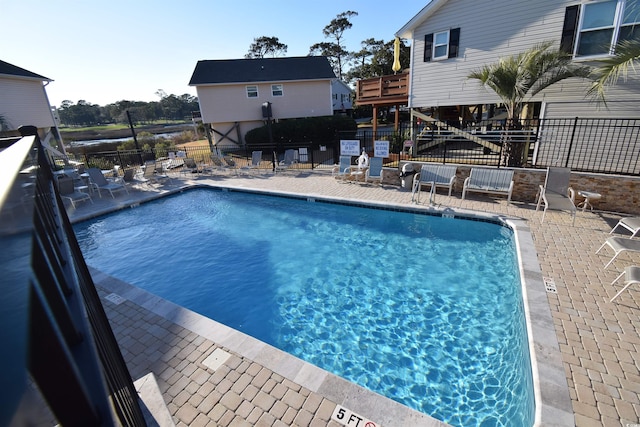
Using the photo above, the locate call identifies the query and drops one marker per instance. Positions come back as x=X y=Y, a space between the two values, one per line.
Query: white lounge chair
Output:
x=631 y=223
x=217 y=164
x=375 y=170
x=342 y=170
x=556 y=193
x=189 y=166
x=151 y=175
x=619 y=245
x=631 y=276
x=68 y=192
x=256 y=158
x=101 y=183
x=230 y=164
x=434 y=176
x=288 y=161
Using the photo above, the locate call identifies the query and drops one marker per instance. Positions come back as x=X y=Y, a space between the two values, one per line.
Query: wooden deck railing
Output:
x=391 y=89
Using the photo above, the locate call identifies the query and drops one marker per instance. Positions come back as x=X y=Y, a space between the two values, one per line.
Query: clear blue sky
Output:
x=103 y=51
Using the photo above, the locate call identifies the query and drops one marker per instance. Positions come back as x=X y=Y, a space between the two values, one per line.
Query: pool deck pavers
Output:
x=210 y=375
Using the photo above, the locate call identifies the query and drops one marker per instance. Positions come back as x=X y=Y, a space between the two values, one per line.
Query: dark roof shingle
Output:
x=261 y=70
x=12 y=70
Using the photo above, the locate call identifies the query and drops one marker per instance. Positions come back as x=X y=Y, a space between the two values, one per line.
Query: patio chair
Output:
x=68 y=191
x=631 y=276
x=101 y=183
x=433 y=175
x=217 y=163
x=619 y=245
x=256 y=158
x=556 y=193
x=289 y=159
x=231 y=164
x=375 y=170
x=151 y=175
x=631 y=223
x=342 y=170
x=189 y=166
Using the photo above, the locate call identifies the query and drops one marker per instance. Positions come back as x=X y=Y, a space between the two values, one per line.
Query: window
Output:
x=276 y=90
x=441 y=45
x=252 y=91
x=595 y=28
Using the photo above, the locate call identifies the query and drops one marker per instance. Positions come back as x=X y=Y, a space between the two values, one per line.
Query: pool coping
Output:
x=552 y=400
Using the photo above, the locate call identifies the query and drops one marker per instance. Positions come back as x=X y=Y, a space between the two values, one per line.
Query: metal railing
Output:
x=308 y=155
x=55 y=329
x=609 y=146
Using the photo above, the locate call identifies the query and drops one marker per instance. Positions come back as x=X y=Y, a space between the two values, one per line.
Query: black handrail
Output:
x=60 y=334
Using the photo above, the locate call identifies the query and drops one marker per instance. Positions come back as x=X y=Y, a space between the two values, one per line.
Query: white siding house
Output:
x=23 y=99
x=231 y=92
x=451 y=38
x=342 y=97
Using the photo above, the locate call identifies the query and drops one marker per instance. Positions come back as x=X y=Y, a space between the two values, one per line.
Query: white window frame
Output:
x=275 y=88
x=615 y=27
x=251 y=90
x=436 y=45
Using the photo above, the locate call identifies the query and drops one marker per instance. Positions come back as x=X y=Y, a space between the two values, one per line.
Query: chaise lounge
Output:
x=631 y=223
x=619 y=245
x=101 y=182
x=631 y=276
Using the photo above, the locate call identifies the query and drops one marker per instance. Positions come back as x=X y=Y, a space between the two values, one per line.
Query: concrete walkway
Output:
x=210 y=375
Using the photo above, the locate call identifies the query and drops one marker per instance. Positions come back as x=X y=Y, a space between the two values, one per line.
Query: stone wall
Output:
x=619 y=193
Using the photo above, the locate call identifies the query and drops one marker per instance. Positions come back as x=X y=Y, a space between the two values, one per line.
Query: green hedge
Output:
x=317 y=129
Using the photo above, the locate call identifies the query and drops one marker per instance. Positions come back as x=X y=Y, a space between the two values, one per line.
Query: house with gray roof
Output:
x=23 y=99
x=231 y=92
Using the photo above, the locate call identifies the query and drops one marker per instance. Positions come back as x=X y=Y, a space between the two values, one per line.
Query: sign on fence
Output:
x=381 y=148
x=349 y=147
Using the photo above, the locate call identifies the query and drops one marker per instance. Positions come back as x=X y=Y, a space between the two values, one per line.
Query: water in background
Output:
x=425 y=310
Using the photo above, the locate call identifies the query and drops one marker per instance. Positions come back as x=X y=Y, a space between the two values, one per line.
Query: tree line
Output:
x=374 y=59
x=169 y=107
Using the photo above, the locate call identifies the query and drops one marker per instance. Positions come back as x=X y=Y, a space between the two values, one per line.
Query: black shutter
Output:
x=568 y=39
x=428 y=47
x=454 y=42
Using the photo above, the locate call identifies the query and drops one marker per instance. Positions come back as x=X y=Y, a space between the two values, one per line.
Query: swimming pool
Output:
x=393 y=301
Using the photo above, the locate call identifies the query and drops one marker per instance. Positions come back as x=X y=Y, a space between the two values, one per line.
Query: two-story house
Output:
x=24 y=101
x=342 y=97
x=232 y=92
x=452 y=38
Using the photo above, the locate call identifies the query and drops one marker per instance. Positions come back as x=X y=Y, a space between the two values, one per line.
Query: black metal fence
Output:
x=55 y=329
x=308 y=155
x=608 y=146
x=589 y=145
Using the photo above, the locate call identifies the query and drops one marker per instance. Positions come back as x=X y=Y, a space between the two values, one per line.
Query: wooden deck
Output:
x=386 y=90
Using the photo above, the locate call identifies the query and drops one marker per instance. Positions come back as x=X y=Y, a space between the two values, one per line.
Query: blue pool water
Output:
x=423 y=309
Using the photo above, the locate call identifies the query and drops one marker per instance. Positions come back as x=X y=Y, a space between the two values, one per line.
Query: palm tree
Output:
x=626 y=56
x=519 y=78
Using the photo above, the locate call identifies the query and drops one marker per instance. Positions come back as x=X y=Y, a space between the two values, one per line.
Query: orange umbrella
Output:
x=396 y=55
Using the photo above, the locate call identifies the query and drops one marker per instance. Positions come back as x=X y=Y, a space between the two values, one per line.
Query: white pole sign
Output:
x=349 y=147
x=381 y=148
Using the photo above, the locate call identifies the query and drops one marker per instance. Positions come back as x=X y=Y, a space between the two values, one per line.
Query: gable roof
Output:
x=7 y=69
x=261 y=70
x=407 y=30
